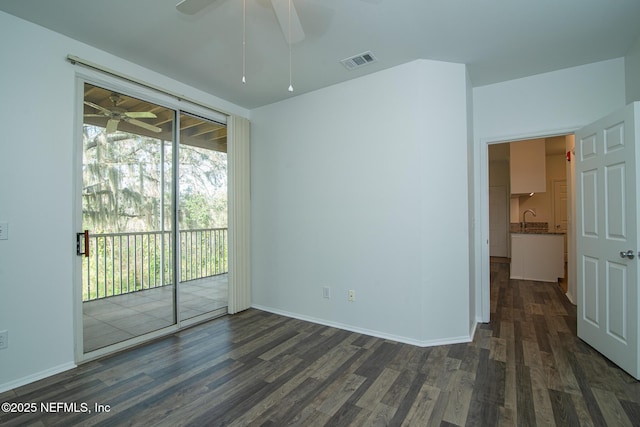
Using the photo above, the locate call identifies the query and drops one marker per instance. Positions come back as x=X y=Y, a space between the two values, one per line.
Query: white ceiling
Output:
x=499 y=39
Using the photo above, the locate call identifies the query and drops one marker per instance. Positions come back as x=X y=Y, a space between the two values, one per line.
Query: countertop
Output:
x=537 y=231
x=533 y=228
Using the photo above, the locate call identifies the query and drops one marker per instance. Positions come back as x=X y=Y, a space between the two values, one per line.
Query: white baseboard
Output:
x=36 y=377
x=369 y=332
x=472 y=330
x=570 y=298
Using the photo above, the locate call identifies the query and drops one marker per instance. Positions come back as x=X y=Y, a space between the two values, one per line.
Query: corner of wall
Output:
x=473 y=327
x=473 y=295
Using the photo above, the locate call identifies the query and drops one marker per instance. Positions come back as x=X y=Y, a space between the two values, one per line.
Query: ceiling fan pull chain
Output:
x=290 y=84
x=244 y=39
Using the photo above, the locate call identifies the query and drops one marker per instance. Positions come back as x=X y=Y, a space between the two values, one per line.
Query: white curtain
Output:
x=239 y=214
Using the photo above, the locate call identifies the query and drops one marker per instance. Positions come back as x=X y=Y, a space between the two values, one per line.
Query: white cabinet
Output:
x=537 y=257
x=527 y=167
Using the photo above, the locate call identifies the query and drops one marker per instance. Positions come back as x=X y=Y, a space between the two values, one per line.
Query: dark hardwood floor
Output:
x=525 y=368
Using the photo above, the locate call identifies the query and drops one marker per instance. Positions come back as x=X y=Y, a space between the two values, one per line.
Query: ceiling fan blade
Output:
x=98 y=107
x=191 y=7
x=144 y=125
x=112 y=126
x=140 y=115
x=94 y=115
x=281 y=8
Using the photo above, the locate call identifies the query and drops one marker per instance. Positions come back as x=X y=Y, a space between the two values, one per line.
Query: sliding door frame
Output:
x=149 y=94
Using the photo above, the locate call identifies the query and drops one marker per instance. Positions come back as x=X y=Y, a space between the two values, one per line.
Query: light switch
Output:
x=4 y=230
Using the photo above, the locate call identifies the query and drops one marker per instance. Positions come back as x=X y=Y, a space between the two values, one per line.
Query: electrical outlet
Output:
x=4 y=340
x=352 y=295
x=326 y=292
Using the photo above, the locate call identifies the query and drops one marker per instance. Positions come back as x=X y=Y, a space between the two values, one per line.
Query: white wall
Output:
x=537 y=106
x=363 y=185
x=36 y=193
x=632 y=72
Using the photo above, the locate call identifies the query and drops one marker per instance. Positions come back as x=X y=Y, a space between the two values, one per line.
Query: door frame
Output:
x=504 y=193
x=134 y=89
x=483 y=299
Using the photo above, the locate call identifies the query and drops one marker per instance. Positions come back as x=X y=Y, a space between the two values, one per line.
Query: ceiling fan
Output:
x=117 y=114
x=292 y=30
x=292 y=35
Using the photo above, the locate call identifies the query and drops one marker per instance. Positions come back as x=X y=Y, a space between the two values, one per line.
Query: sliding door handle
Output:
x=82 y=243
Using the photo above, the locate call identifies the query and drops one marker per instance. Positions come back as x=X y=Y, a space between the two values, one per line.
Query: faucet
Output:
x=524 y=217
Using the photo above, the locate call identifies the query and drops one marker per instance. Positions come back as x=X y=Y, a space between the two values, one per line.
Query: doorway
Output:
x=551 y=206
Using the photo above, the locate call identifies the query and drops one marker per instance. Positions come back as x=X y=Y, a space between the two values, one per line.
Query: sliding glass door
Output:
x=149 y=260
x=127 y=271
x=202 y=217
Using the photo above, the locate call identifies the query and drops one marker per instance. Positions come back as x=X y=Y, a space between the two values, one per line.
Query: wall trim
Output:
x=37 y=376
x=369 y=332
x=570 y=298
x=472 y=330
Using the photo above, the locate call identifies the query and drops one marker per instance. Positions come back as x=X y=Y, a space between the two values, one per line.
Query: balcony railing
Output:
x=121 y=263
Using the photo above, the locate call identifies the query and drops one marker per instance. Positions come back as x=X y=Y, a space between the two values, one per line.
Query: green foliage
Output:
x=126 y=190
x=124 y=184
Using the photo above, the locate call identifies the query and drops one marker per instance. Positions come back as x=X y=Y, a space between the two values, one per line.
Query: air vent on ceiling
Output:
x=359 y=60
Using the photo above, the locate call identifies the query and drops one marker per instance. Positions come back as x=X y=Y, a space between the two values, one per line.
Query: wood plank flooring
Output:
x=525 y=368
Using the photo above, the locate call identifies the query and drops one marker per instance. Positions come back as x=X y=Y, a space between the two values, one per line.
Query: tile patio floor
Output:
x=118 y=318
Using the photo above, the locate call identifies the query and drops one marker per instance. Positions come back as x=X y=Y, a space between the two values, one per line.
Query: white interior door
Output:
x=607 y=237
